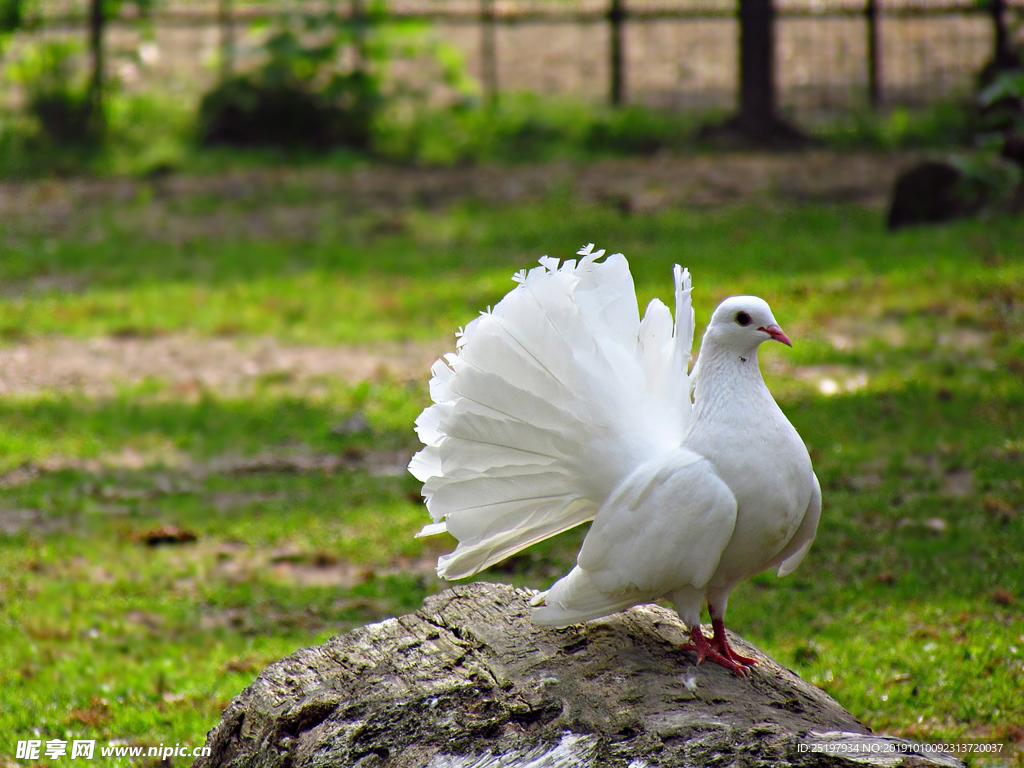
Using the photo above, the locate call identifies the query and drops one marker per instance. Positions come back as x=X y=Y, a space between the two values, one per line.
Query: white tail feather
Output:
x=548 y=403
x=575 y=598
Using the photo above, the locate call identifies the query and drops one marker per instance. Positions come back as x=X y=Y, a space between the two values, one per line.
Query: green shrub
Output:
x=324 y=82
x=56 y=93
x=249 y=111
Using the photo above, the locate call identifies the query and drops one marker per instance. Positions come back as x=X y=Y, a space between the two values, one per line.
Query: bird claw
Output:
x=720 y=642
x=746 y=661
x=726 y=650
x=707 y=652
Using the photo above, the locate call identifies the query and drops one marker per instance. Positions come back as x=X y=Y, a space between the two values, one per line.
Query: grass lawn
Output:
x=165 y=535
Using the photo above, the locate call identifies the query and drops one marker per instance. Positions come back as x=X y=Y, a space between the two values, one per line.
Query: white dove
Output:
x=560 y=406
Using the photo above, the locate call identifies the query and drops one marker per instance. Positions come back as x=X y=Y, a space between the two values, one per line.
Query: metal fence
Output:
x=832 y=55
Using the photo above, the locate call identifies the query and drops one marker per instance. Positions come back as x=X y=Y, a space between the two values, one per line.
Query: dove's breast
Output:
x=765 y=464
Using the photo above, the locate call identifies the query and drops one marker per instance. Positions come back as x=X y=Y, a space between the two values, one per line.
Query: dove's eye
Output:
x=743 y=318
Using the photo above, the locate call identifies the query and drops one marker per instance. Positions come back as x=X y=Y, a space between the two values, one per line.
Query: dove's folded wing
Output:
x=662 y=532
x=796 y=550
x=665 y=527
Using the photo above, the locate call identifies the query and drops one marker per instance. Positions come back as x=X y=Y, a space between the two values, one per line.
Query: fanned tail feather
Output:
x=547 y=404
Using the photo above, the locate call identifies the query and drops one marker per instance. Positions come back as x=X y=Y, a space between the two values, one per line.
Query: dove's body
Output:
x=693 y=523
x=561 y=407
x=772 y=479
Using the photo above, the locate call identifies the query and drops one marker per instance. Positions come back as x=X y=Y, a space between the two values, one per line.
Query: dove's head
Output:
x=743 y=322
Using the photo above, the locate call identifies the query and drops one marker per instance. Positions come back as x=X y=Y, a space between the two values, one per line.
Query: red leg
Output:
x=720 y=642
x=706 y=650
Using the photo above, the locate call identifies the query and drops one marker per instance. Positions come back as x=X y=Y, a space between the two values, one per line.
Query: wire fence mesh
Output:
x=833 y=56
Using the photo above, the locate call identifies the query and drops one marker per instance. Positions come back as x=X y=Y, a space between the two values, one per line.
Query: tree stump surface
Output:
x=469 y=682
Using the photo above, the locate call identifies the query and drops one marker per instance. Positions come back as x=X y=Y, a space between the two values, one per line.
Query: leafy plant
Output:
x=985 y=176
x=324 y=81
x=56 y=90
x=63 y=97
x=1002 y=102
x=11 y=15
x=990 y=176
x=12 y=18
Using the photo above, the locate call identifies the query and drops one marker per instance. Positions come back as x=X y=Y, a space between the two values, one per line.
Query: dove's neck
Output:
x=724 y=377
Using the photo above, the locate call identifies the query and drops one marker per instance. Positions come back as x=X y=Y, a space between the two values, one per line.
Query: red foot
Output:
x=720 y=642
x=705 y=651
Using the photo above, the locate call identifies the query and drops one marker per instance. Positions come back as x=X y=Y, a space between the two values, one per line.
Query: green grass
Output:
x=908 y=609
x=147 y=136
x=436 y=271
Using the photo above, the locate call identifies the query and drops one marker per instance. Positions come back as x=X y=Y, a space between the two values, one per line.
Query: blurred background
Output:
x=149 y=80
x=234 y=235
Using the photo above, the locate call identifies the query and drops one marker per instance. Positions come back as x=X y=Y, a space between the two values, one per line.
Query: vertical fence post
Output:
x=1002 y=56
x=96 y=79
x=616 y=51
x=758 y=87
x=358 y=16
x=874 y=54
x=488 y=51
x=227 y=39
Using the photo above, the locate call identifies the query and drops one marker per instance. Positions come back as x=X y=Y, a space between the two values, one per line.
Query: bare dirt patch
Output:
x=190 y=364
x=179 y=473
x=288 y=203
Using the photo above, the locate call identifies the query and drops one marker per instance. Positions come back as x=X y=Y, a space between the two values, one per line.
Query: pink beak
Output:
x=778 y=334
